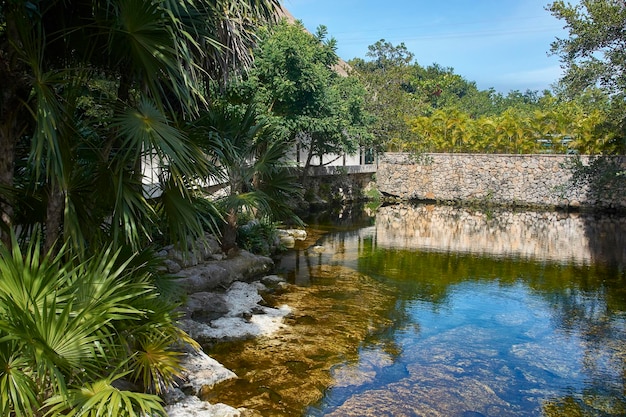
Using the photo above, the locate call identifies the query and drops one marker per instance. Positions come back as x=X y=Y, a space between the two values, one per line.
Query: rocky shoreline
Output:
x=223 y=302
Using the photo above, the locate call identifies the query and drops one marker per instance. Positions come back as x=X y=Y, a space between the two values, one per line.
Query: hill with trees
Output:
x=433 y=109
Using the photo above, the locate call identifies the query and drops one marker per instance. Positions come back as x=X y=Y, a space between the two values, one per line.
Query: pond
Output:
x=440 y=311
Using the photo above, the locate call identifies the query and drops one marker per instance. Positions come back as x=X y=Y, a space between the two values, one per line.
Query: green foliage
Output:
x=432 y=109
x=101 y=95
x=97 y=97
x=373 y=195
x=64 y=326
x=296 y=78
x=102 y=398
x=400 y=90
x=391 y=91
x=257 y=237
x=251 y=154
x=593 y=54
x=555 y=127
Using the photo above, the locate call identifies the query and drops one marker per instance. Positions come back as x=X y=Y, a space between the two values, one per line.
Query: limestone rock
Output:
x=246 y=266
x=287 y=241
x=205 y=306
x=204 y=277
x=194 y=407
x=203 y=371
x=172 y=266
x=246 y=317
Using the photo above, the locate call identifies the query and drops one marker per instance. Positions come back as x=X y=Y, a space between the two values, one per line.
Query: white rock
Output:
x=201 y=370
x=241 y=298
x=194 y=407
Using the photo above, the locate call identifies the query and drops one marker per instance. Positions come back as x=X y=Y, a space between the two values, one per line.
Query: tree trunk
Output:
x=14 y=92
x=229 y=234
x=307 y=164
x=7 y=157
x=54 y=217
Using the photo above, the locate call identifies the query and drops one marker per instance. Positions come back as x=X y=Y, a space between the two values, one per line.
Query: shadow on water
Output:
x=435 y=310
x=596 y=308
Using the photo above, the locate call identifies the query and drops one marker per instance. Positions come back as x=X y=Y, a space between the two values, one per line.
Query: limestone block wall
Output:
x=530 y=180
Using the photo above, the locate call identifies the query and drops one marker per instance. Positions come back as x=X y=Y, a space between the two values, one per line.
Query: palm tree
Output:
x=92 y=90
x=511 y=131
x=485 y=136
x=158 y=58
x=422 y=127
x=252 y=158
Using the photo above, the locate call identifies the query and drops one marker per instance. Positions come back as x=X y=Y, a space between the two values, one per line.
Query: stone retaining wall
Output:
x=525 y=180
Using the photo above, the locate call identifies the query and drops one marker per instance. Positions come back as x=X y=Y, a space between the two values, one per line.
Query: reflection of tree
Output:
x=588 y=301
x=594 y=311
x=606 y=237
x=341 y=217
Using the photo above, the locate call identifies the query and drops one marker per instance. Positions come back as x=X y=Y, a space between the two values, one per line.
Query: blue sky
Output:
x=502 y=44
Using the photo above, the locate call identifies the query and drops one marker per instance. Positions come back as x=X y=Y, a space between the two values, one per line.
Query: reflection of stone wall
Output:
x=577 y=238
x=536 y=180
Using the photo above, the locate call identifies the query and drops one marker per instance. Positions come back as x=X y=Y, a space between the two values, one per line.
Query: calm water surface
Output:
x=441 y=311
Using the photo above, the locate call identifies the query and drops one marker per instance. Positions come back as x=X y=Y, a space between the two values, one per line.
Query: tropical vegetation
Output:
x=97 y=97
x=432 y=109
x=117 y=116
x=308 y=93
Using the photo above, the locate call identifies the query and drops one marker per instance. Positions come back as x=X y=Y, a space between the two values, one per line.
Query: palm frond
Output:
x=152 y=42
x=101 y=398
x=132 y=214
x=18 y=391
x=187 y=215
x=147 y=132
x=155 y=365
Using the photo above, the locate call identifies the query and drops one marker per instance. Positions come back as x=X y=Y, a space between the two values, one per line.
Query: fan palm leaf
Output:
x=19 y=394
x=101 y=398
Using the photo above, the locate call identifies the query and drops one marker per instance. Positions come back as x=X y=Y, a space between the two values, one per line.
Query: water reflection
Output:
x=581 y=238
x=417 y=314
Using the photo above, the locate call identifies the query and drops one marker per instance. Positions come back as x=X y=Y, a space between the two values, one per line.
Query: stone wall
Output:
x=525 y=180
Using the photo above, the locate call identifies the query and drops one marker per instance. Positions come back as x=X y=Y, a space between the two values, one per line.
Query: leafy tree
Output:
x=594 y=53
x=391 y=86
x=295 y=77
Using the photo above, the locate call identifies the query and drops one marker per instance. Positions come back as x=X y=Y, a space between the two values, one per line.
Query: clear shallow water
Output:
x=437 y=311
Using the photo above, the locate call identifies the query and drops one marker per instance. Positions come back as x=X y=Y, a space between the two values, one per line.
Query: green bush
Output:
x=257 y=237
